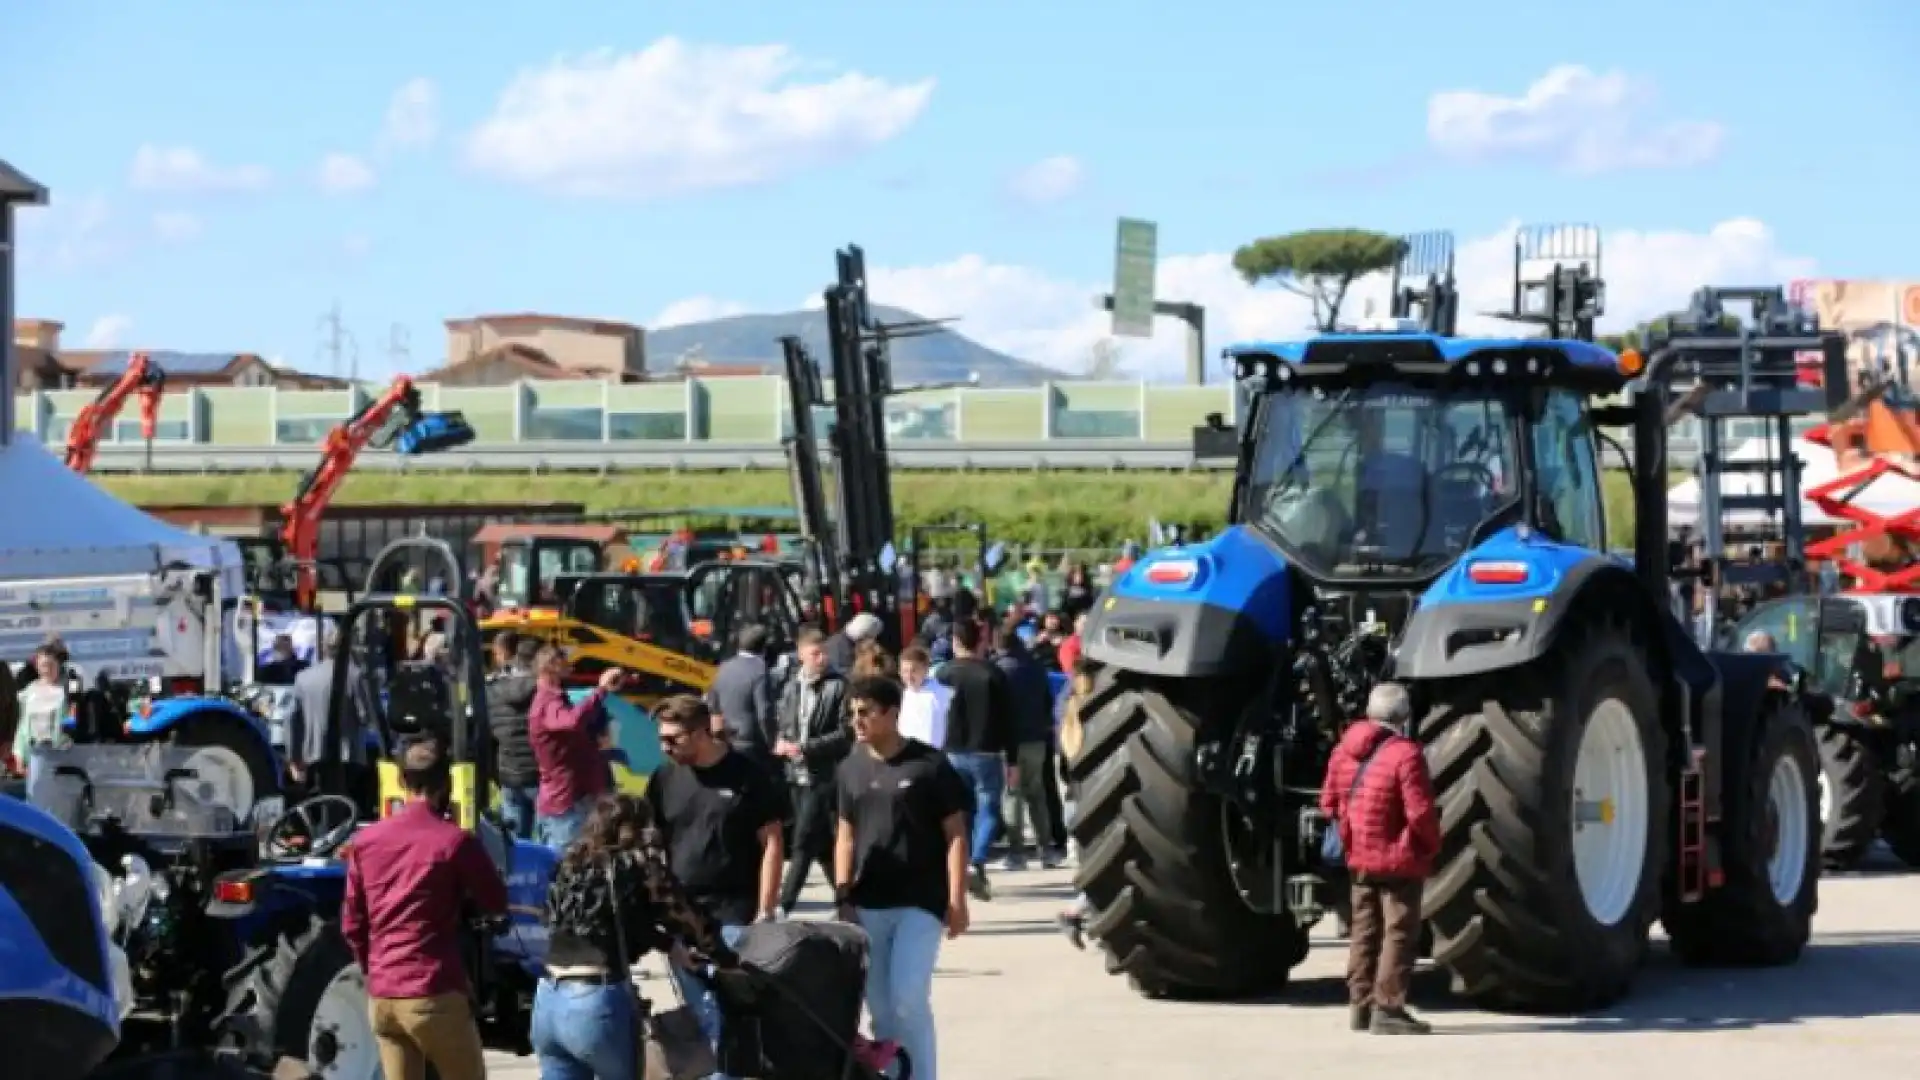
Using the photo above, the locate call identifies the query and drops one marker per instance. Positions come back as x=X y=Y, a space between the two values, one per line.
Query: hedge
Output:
x=1050 y=510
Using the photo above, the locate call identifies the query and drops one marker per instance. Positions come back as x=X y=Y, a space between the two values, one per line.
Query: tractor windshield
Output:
x=1389 y=479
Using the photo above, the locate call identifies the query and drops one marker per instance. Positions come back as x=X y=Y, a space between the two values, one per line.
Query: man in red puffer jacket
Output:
x=1379 y=794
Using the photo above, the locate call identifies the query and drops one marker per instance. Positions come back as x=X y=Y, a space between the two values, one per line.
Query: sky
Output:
x=225 y=173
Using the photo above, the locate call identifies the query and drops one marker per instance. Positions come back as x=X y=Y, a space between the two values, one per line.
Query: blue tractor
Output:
x=1415 y=506
x=58 y=1003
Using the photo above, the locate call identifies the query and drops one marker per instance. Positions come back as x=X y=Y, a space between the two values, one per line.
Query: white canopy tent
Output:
x=55 y=523
x=1890 y=494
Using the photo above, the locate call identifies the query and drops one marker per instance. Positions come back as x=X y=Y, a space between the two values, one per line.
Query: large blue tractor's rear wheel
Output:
x=1556 y=809
x=1153 y=849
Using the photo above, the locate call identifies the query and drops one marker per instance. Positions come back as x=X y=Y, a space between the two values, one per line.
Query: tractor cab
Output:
x=529 y=559
x=723 y=597
x=1374 y=462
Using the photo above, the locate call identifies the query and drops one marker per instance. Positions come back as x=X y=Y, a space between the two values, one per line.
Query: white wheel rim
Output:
x=1787 y=816
x=227 y=776
x=341 y=1019
x=1609 y=812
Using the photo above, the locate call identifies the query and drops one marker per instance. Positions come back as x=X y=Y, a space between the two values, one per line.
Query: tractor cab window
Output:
x=1388 y=479
x=514 y=573
x=1566 y=473
x=554 y=559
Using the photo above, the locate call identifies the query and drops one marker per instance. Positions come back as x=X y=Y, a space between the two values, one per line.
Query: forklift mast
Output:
x=862 y=379
x=1424 y=287
x=819 y=546
x=1557 y=283
x=852 y=554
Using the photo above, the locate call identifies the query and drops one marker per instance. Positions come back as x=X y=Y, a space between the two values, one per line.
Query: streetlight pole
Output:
x=1194 y=315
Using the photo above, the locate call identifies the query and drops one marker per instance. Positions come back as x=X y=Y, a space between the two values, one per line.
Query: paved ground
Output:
x=1017 y=1003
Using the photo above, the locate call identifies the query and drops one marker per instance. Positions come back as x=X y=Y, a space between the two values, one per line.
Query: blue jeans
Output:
x=905 y=945
x=516 y=810
x=986 y=774
x=582 y=1031
x=699 y=996
x=557 y=831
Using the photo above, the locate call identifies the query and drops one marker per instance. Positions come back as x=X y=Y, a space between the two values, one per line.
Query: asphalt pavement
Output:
x=1016 y=1002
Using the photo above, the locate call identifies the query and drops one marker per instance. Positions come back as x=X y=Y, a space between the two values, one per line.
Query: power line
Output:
x=398 y=351
x=338 y=344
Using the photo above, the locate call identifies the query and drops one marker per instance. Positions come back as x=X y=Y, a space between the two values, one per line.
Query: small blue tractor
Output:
x=301 y=996
x=1415 y=506
x=196 y=931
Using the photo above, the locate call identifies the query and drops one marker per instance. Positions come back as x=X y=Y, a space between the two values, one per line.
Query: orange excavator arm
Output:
x=300 y=529
x=394 y=419
x=143 y=377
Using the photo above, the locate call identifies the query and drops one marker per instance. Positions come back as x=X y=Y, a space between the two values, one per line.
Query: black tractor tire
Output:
x=1900 y=824
x=1509 y=920
x=1856 y=793
x=219 y=728
x=1746 y=922
x=1153 y=858
x=275 y=1002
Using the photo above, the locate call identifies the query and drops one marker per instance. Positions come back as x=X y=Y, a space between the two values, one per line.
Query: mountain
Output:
x=942 y=356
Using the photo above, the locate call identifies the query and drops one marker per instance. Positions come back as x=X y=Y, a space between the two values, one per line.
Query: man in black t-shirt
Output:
x=900 y=864
x=720 y=814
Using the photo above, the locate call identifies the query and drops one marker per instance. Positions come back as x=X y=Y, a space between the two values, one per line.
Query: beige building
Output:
x=488 y=350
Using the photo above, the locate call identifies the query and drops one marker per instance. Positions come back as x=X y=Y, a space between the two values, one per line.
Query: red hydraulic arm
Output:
x=143 y=377
x=300 y=531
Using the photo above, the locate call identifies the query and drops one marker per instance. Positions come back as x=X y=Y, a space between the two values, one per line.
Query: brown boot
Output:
x=1399 y=1022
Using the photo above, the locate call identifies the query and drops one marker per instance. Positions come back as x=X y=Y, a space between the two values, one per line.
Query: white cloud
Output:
x=678 y=117
x=175 y=226
x=1036 y=316
x=109 y=332
x=413 y=115
x=69 y=233
x=696 y=309
x=1573 y=118
x=343 y=174
x=183 y=169
x=1048 y=180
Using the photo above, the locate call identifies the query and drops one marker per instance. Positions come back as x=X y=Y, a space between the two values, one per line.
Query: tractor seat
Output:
x=1458 y=505
x=419 y=700
x=1391 y=492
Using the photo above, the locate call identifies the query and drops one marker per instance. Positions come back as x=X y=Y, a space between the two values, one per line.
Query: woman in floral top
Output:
x=612 y=901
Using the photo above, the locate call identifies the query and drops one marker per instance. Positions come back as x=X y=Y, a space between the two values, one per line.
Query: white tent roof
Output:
x=1890 y=494
x=56 y=523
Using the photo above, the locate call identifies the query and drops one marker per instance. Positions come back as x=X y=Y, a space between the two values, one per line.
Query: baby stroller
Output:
x=792 y=1009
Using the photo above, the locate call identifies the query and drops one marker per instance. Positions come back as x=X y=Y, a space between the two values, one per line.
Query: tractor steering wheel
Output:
x=313 y=828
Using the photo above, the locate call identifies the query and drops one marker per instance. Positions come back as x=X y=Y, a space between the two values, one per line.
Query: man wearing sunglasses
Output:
x=720 y=814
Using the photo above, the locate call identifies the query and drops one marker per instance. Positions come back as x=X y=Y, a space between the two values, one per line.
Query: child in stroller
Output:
x=792 y=1008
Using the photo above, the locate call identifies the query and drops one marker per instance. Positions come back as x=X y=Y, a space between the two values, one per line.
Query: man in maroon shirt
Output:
x=410 y=882
x=566 y=746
